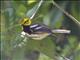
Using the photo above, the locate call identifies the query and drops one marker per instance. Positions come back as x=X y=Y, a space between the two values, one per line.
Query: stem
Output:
x=66 y=13
x=40 y=3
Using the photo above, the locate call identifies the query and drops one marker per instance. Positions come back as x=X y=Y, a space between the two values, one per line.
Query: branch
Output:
x=40 y=3
x=66 y=13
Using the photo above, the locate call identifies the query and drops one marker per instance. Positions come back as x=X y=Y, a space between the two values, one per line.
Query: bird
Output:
x=38 y=31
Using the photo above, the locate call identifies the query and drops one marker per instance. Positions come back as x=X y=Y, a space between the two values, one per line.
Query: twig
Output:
x=58 y=55
x=66 y=13
x=40 y=3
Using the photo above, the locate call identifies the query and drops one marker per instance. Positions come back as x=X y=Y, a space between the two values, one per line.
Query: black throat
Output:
x=27 y=29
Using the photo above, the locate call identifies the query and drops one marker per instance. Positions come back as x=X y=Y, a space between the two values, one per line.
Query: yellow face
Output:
x=25 y=22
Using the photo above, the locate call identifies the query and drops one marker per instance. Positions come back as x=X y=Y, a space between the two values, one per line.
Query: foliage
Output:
x=13 y=11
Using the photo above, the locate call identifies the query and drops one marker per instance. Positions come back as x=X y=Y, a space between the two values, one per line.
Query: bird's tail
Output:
x=61 y=31
x=60 y=38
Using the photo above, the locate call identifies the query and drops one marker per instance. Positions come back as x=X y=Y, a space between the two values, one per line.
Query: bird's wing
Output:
x=40 y=28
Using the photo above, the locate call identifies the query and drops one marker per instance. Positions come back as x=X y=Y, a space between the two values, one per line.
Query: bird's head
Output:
x=25 y=22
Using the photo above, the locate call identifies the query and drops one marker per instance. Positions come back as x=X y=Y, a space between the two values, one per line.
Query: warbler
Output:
x=38 y=31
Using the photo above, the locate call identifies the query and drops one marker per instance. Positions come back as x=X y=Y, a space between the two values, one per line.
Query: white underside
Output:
x=34 y=36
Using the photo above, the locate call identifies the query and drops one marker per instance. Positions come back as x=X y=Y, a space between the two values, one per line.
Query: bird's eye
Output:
x=26 y=21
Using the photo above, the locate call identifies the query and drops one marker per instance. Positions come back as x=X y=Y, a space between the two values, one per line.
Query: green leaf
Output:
x=21 y=10
x=45 y=46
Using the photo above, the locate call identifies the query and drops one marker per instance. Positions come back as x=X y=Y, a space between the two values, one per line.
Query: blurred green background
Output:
x=13 y=11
